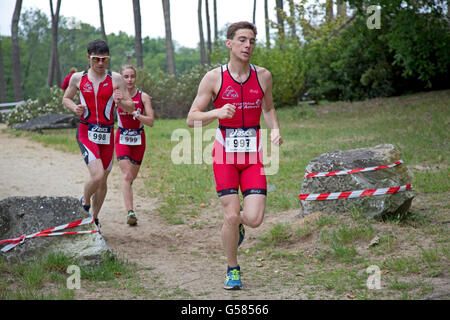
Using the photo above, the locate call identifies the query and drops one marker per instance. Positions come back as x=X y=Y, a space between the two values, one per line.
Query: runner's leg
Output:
x=129 y=173
x=95 y=187
x=230 y=231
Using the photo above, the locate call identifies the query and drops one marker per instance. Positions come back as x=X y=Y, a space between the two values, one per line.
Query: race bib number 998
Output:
x=99 y=134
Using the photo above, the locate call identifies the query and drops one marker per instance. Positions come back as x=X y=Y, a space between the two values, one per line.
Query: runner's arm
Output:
x=269 y=113
x=204 y=96
x=120 y=95
x=70 y=92
x=147 y=118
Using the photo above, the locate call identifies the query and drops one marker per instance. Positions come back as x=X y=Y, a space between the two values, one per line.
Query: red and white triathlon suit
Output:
x=130 y=134
x=241 y=167
x=95 y=134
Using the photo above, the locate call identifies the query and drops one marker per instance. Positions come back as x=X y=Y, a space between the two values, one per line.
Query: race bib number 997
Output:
x=240 y=140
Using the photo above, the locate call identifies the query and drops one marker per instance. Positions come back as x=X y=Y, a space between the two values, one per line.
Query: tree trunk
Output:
x=170 y=54
x=254 y=12
x=17 y=78
x=280 y=20
x=329 y=15
x=202 y=39
x=138 y=33
x=292 y=20
x=54 y=56
x=2 y=76
x=266 y=23
x=216 y=29
x=208 y=30
x=102 y=22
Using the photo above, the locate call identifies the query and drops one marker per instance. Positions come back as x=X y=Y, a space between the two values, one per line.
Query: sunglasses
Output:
x=98 y=59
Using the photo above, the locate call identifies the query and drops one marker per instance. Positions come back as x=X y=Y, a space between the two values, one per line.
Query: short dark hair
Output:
x=98 y=46
x=231 y=31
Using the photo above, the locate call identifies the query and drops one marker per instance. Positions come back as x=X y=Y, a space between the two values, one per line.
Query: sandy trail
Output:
x=178 y=261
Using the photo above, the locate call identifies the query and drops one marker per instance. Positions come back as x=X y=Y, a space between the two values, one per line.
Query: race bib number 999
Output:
x=99 y=134
x=130 y=137
x=240 y=140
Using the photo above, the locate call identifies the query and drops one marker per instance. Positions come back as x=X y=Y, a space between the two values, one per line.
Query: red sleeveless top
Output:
x=246 y=96
x=99 y=106
x=125 y=119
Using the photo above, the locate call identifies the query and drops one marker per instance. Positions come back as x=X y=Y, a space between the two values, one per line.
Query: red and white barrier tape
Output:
x=337 y=173
x=49 y=233
x=352 y=194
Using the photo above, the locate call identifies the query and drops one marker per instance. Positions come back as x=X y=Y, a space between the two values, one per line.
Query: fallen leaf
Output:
x=384 y=271
x=350 y=296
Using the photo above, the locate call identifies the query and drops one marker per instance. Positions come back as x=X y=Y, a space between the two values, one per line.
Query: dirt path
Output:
x=176 y=261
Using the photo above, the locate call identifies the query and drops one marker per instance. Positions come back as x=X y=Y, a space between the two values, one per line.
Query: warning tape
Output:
x=337 y=173
x=352 y=194
x=49 y=233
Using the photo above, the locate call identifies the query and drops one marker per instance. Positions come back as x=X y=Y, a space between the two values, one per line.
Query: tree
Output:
x=216 y=29
x=17 y=78
x=138 y=33
x=266 y=23
x=329 y=15
x=280 y=20
x=54 y=56
x=102 y=22
x=254 y=12
x=208 y=31
x=170 y=52
x=292 y=20
x=342 y=9
x=202 y=39
x=2 y=76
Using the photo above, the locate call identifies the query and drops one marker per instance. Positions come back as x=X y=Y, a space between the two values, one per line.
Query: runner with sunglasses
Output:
x=100 y=90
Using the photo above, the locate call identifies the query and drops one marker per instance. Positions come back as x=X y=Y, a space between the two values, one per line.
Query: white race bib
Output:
x=240 y=140
x=130 y=137
x=99 y=134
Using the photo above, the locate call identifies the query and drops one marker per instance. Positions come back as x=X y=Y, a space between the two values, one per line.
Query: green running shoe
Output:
x=131 y=218
x=233 y=279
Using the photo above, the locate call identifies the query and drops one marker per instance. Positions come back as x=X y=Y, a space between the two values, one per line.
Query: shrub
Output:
x=50 y=101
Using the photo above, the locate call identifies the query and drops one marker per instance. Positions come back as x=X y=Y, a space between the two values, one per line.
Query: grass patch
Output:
x=46 y=278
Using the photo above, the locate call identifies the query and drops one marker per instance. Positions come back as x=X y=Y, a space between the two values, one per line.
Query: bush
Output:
x=172 y=96
x=50 y=101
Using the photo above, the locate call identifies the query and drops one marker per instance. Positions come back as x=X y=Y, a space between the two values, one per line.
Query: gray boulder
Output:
x=373 y=206
x=49 y=121
x=28 y=215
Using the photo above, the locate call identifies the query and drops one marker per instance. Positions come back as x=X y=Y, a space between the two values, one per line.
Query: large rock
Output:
x=27 y=215
x=373 y=206
x=49 y=121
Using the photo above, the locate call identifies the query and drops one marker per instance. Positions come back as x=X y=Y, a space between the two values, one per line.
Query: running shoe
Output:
x=233 y=279
x=85 y=206
x=241 y=234
x=131 y=218
x=97 y=223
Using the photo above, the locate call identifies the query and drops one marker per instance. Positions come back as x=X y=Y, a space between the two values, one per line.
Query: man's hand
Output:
x=79 y=109
x=226 y=112
x=275 y=137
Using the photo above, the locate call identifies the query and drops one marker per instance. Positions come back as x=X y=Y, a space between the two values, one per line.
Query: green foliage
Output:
x=172 y=95
x=48 y=102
